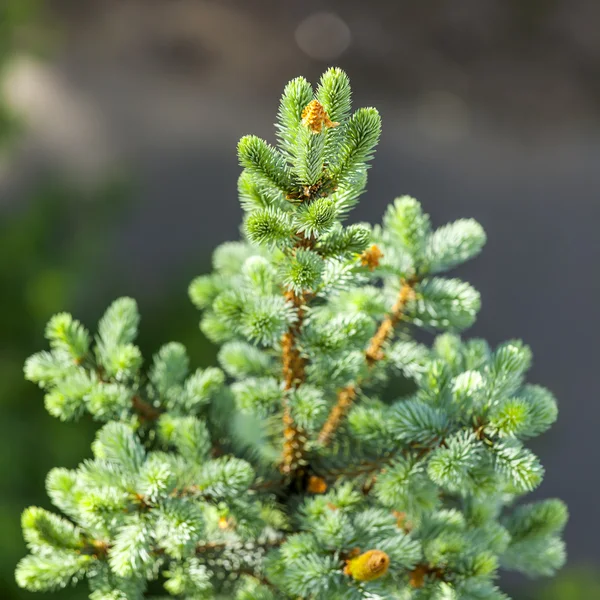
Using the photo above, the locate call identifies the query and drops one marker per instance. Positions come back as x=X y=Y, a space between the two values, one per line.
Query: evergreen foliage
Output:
x=288 y=473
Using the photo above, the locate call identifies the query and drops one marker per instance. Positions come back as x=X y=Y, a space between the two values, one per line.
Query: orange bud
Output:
x=368 y=566
x=371 y=257
x=316 y=485
x=401 y=521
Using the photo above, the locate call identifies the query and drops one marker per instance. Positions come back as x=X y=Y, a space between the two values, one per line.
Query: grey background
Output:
x=490 y=109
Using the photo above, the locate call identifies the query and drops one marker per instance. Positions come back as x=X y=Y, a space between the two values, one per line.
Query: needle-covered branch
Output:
x=347 y=395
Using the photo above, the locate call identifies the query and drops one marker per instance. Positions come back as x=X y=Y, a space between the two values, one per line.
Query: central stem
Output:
x=293 y=376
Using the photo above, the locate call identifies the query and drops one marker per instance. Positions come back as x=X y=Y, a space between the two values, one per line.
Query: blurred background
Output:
x=118 y=126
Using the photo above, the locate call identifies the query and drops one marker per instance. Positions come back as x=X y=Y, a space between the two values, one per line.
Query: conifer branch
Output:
x=360 y=469
x=347 y=395
x=183 y=511
x=294 y=365
x=372 y=468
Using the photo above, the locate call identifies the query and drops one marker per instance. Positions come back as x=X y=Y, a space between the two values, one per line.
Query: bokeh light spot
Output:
x=323 y=36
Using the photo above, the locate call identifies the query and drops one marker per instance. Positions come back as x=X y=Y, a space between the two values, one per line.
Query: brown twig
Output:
x=386 y=329
x=210 y=546
x=145 y=411
x=345 y=398
x=268 y=485
x=372 y=468
x=374 y=353
x=423 y=570
x=260 y=578
x=365 y=467
x=97 y=548
x=293 y=376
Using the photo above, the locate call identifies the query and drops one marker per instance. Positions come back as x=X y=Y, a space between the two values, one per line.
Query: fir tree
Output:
x=288 y=473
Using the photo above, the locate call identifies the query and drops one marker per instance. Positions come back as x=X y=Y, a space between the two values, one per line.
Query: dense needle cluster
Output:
x=331 y=456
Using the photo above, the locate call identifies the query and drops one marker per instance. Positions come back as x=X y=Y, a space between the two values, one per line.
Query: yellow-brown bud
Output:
x=371 y=257
x=368 y=566
x=315 y=117
x=401 y=521
x=417 y=576
x=226 y=523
